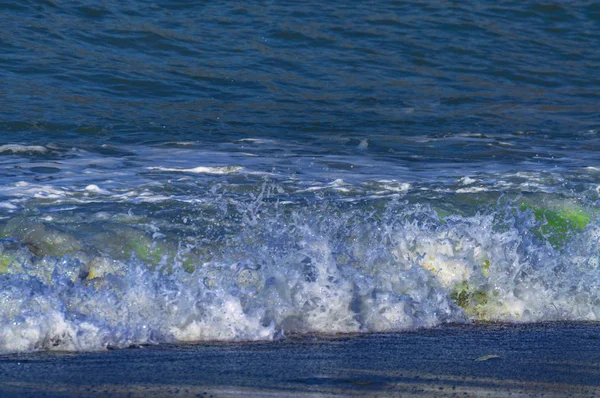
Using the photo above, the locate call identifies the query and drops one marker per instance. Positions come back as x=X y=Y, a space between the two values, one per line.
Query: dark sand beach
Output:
x=549 y=359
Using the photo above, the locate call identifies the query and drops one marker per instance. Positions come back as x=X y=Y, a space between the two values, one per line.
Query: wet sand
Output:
x=550 y=359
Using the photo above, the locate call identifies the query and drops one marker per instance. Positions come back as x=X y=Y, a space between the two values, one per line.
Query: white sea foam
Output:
x=335 y=185
x=467 y=180
x=16 y=148
x=8 y=206
x=395 y=186
x=223 y=170
x=24 y=189
x=257 y=140
x=472 y=190
x=149 y=197
x=92 y=188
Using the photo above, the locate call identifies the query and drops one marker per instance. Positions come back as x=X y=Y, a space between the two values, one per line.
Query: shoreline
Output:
x=550 y=358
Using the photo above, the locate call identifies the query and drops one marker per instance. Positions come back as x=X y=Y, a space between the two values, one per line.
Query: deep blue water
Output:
x=312 y=167
x=150 y=71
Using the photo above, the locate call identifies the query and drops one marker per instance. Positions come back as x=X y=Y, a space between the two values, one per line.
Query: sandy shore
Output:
x=551 y=359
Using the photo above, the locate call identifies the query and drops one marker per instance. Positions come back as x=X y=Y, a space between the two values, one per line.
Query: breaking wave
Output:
x=261 y=269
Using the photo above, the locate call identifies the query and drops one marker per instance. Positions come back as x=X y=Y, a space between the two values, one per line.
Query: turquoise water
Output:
x=179 y=171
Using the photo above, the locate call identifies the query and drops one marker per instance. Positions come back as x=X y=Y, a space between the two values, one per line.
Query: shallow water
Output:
x=177 y=171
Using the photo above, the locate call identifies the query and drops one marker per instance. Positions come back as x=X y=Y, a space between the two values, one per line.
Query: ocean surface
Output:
x=177 y=171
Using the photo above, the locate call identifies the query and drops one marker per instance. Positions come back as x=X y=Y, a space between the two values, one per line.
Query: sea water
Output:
x=182 y=171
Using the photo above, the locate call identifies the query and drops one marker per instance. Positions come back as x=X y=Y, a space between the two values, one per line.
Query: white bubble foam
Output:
x=467 y=180
x=16 y=148
x=472 y=190
x=222 y=170
x=92 y=188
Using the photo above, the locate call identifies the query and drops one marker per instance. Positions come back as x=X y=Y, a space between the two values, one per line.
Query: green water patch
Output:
x=468 y=285
x=13 y=256
x=558 y=225
x=6 y=260
x=124 y=243
x=485 y=267
x=112 y=241
x=41 y=240
x=471 y=299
